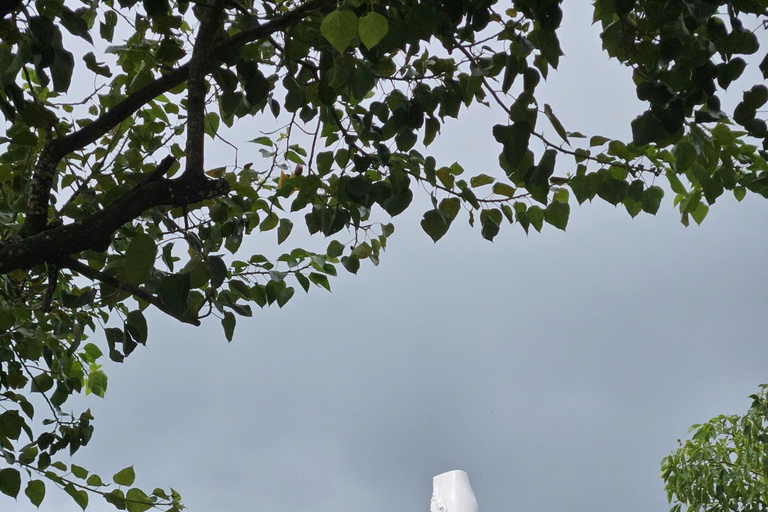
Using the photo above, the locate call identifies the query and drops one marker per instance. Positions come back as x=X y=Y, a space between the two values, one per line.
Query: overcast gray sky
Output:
x=557 y=369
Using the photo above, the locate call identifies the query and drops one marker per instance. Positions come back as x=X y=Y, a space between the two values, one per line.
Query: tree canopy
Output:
x=722 y=468
x=108 y=207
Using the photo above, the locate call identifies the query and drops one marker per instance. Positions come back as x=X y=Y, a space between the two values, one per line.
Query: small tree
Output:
x=108 y=207
x=724 y=466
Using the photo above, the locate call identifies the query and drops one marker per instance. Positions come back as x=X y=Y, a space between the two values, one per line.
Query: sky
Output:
x=557 y=369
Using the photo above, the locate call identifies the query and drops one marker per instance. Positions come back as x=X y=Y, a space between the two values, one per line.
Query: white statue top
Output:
x=452 y=492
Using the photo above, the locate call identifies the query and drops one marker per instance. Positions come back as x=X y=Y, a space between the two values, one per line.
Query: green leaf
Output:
x=125 y=476
x=434 y=224
x=700 y=213
x=612 y=190
x=652 y=199
x=490 y=221
x=98 y=68
x=324 y=161
x=351 y=263
x=555 y=123
x=94 y=481
x=79 y=495
x=264 y=140
x=228 y=322
x=685 y=154
x=481 y=179
x=372 y=28
x=211 y=125
x=137 y=501
x=339 y=28
x=10 y=482
x=536 y=217
x=647 y=128
x=270 y=222
x=61 y=70
x=335 y=249
x=97 y=383
x=78 y=471
x=11 y=424
x=598 y=140
x=503 y=189
x=137 y=326
x=139 y=259
x=284 y=230
x=320 y=280
x=557 y=214
x=739 y=193
x=174 y=291
x=514 y=139
x=218 y=270
x=35 y=491
x=675 y=183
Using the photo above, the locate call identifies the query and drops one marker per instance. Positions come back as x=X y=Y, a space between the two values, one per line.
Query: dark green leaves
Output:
x=173 y=291
x=557 y=214
x=10 y=482
x=140 y=258
x=437 y=221
x=434 y=224
x=490 y=221
x=218 y=270
x=514 y=139
x=340 y=28
x=228 y=321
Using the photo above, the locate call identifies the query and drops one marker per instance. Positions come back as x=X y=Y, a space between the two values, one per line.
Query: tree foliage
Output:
x=723 y=467
x=108 y=207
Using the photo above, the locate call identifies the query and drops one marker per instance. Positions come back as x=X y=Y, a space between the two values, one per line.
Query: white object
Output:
x=452 y=492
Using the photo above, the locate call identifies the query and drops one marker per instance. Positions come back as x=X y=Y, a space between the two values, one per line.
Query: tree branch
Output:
x=93 y=274
x=95 y=232
x=133 y=102
x=196 y=87
x=57 y=148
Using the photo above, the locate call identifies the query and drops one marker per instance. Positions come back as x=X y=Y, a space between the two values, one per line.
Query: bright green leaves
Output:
x=79 y=495
x=137 y=501
x=125 y=476
x=140 y=258
x=437 y=221
x=35 y=491
x=340 y=28
x=97 y=383
x=372 y=28
x=715 y=468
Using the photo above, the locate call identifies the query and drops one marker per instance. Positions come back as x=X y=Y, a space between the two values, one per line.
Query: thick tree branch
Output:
x=95 y=232
x=38 y=195
x=196 y=86
x=93 y=274
x=40 y=245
